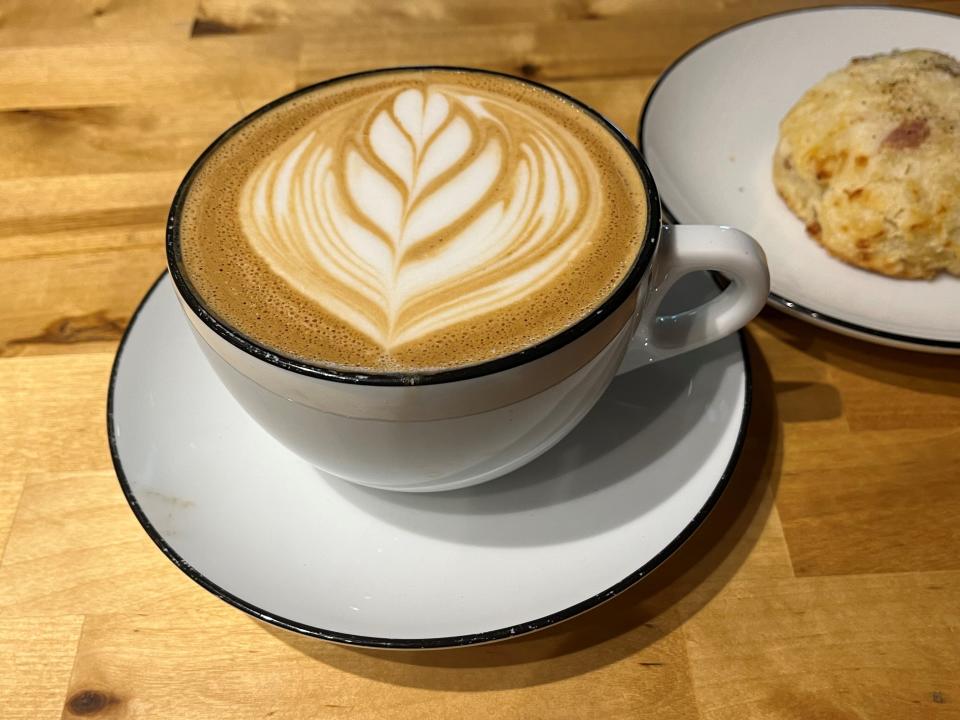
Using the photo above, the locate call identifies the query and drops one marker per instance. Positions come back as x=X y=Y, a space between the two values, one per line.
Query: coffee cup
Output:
x=448 y=423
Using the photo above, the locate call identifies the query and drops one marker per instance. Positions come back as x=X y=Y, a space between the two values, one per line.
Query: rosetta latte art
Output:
x=429 y=208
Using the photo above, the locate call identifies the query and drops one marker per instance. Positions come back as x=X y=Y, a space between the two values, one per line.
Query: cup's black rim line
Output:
x=775 y=298
x=549 y=345
x=432 y=642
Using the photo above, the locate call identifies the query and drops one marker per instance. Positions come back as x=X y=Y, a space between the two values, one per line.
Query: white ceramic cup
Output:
x=459 y=427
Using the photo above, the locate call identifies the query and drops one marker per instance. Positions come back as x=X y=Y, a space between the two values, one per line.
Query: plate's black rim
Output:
x=651 y=235
x=417 y=643
x=775 y=298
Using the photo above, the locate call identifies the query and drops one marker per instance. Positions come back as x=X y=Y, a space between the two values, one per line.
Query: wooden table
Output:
x=826 y=584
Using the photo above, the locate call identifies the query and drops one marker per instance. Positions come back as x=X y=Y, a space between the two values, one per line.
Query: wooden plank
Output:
x=542 y=51
x=870 y=465
x=882 y=390
x=200 y=70
x=566 y=42
x=101 y=244
x=36 y=658
x=152 y=666
x=871 y=502
x=89 y=240
x=76 y=548
x=237 y=16
x=54 y=22
x=47 y=204
x=99 y=140
x=52 y=413
x=87 y=313
x=11 y=487
x=612 y=39
x=825 y=648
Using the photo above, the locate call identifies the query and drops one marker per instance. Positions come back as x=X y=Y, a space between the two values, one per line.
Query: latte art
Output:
x=436 y=207
x=411 y=221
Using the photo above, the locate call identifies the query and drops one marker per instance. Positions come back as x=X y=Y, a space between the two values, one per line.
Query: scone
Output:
x=869 y=159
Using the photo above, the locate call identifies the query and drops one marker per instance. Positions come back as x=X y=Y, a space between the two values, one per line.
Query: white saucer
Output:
x=708 y=133
x=271 y=535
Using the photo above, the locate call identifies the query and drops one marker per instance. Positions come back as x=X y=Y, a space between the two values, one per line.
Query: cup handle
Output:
x=691 y=248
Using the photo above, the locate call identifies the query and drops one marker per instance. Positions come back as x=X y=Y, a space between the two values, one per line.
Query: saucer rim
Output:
x=776 y=300
x=428 y=643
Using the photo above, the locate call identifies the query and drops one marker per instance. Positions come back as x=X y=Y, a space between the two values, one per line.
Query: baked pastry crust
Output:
x=869 y=159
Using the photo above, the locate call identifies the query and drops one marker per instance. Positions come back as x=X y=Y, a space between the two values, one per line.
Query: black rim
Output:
x=774 y=298
x=418 y=643
x=241 y=341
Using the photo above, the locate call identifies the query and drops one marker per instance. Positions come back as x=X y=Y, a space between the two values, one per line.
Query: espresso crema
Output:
x=411 y=221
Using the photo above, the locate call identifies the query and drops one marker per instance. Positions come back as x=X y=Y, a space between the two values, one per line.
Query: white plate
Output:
x=708 y=133
x=273 y=536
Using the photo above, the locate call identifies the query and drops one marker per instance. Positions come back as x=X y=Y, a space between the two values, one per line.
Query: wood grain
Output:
x=871 y=479
x=52 y=413
x=11 y=486
x=93 y=75
x=75 y=536
x=37 y=656
x=826 y=648
x=53 y=22
x=540 y=51
x=825 y=584
x=147 y=136
x=338 y=682
x=84 y=201
x=93 y=300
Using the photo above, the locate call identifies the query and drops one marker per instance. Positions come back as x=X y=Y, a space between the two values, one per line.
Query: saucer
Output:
x=708 y=133
x=275 y=537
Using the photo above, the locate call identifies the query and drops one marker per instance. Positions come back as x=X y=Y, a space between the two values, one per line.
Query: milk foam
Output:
x=441 y=205
x=411 y=220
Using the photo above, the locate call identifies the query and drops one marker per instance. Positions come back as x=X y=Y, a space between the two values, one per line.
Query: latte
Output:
x=412 y=220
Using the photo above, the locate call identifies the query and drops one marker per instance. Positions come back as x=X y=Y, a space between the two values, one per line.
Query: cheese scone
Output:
x=869 y=159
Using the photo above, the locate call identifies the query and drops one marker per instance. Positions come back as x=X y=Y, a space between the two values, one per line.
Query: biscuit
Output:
x=869 y=159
